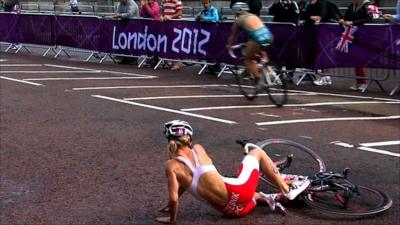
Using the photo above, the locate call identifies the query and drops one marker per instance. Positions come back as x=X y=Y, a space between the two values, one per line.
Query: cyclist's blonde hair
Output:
x=177 y=142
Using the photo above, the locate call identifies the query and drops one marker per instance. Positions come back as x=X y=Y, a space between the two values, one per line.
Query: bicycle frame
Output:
x=329 y=192
x=268 y=80
x=325 y=181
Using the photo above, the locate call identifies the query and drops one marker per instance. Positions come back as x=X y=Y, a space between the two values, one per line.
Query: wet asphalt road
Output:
x=91 y=151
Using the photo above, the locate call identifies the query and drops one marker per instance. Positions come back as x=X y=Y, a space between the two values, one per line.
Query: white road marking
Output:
x=56 y=71
x=191 y=96
x=366 y=146
x=383 y=143
x=265 y=114
x=165 y=109
x=184 y=97
x=104 y=71
x=305 y=137
x=145 y=87
x=308 y=110
x=21 y=81
x=21 y=65
x=288 y=105
x=68 y=67
x=379 y=151
x=3 y=60
x=128 y=74
x=86 y=78
x=327 y=120
x=346 y=96
x=343 y=144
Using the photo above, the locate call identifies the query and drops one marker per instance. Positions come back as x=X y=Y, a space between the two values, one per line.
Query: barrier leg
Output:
x=19 y=47
x=396 y=89
x=222 y=70
x=202 y=69
x=306 y=73
x=97 y=55
x=380 y=86
x=301 y=79
x=112 y=58
x=369 y=83
x=142 y=62
x=58 y=53
x=366 y=86
x=158 y=63
x=8 y=48
x=69 y=56
x=62 y=50
x=12 y=46
x=89 y=57
x=48 y=50
x=103 y=58
x=23 y=47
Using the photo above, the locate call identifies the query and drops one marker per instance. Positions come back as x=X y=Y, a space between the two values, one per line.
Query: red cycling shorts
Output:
x=241 y=189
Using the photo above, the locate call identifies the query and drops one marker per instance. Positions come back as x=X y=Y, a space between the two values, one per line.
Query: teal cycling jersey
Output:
x=261 y=36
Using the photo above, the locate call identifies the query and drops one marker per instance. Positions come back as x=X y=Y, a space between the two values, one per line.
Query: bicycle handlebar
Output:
x=233 y=47
x=281 y=164
x=246 y=145
x=330 y=174
x=242 y=142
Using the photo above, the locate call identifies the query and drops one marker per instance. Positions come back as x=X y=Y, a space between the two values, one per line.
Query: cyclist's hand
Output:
x=387 y=16
x=228 y=47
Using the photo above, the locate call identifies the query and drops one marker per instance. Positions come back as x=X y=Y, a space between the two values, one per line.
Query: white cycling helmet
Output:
x=177 y=128
x=239 y=7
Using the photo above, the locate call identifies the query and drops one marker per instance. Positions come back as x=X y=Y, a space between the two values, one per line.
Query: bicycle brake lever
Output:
x=285 y=163
x=346 y=172
x=230 y=51
x=231 y=54
x=242 y=142
x=246 y=145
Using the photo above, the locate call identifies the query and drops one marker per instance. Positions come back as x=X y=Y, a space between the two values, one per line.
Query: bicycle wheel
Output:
x=305 y=161
x=368 y=202
x=277 y=89
x=246 y=83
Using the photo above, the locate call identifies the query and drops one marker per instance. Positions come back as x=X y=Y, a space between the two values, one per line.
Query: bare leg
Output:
x=251 y=50
x=269 y=169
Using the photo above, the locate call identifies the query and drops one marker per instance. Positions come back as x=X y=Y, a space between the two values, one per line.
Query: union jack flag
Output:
x=346 y=38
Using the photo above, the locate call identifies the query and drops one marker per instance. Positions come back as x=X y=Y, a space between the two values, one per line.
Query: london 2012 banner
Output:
x=322 y=46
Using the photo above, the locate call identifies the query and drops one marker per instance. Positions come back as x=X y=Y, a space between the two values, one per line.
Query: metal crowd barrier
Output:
x=101 y=56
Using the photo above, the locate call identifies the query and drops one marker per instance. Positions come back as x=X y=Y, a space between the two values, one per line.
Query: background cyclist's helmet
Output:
x=239 y=7
x=177 y=128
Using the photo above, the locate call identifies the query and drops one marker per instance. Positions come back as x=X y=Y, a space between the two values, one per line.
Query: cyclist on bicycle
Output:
x=190 y=168
x=259 y=34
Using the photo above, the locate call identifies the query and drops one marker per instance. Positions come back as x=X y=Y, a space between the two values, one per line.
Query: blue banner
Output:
x=322 y=46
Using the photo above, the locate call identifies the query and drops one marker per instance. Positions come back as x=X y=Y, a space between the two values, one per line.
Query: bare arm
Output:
x=174 y=192
x=166 y=208
x=234 y=31
x=178 y=14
